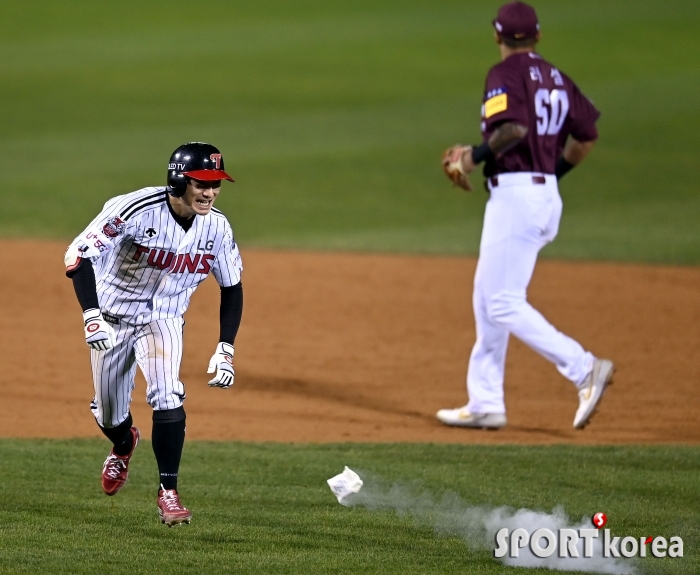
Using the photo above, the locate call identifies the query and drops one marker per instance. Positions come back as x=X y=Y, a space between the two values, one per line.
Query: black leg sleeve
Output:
x=120 y=436
x=230 y=312
x=168 y=438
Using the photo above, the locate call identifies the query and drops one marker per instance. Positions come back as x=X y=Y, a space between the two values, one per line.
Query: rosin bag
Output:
x=344 y=484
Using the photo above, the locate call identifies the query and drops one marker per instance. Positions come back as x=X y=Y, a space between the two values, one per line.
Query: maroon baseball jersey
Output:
x=530 y=91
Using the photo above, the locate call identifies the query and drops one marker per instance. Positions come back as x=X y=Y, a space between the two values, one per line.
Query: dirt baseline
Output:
x=351 y=347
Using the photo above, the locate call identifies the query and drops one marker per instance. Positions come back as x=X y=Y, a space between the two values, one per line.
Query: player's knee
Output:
x=504 y=306
x=106 y=416
x=166 y=395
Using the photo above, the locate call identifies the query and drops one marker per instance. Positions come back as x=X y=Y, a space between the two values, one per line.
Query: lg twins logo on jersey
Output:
x=177 y=264
x=114 y=227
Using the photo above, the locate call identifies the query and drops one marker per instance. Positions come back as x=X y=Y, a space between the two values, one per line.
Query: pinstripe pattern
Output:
x=131 y=288
x=157 y=350
x=113 y=373
x=146 y=273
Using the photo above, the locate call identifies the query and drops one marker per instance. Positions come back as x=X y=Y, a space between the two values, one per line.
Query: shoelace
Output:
x=114 y=466
x=171 y=500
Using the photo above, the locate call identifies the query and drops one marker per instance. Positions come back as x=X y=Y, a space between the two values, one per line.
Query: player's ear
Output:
x=537 y=38
x=497 y=37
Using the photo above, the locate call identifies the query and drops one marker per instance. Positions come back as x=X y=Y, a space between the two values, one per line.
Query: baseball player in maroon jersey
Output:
x=134 y=269
x=536 y=126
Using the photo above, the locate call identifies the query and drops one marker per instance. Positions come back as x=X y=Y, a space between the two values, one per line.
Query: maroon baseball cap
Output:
x=517 y=21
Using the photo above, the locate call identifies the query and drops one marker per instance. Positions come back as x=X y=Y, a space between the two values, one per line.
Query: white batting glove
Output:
x=222 y=363
x=99 y=334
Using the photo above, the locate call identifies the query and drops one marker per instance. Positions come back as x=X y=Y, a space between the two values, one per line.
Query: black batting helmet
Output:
x=197 y=161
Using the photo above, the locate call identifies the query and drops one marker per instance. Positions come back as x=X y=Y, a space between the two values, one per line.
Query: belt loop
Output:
x=493 y=181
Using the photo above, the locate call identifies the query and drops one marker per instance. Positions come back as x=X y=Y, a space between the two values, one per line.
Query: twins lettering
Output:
x=177 y=264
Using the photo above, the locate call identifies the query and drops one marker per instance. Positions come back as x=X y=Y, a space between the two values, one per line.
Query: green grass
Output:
x=332 y=117
x=265 y=508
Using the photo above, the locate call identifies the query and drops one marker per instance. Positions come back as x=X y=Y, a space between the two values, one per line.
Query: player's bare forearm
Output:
x=575 y=151
x=503 y=138
x=506 y=136
x=573 y=154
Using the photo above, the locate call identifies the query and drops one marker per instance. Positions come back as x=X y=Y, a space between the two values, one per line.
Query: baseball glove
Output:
x=452 y=164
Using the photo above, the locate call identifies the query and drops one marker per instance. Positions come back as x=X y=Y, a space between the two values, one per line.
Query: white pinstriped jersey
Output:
x=146 y=265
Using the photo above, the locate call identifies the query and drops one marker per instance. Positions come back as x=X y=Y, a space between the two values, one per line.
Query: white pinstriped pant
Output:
x=521 y=218
x=157 y=349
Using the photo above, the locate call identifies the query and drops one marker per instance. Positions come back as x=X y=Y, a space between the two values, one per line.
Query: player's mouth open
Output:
x=204 y=203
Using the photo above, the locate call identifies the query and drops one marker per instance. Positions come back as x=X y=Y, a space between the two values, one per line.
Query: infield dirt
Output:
x=354 y=347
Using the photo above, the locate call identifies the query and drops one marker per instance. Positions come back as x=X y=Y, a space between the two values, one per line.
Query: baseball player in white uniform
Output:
x=536 y=125
x=134 y=269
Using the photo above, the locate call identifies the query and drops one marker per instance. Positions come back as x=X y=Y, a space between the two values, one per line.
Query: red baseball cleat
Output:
x=115 y=470
x=171 y=511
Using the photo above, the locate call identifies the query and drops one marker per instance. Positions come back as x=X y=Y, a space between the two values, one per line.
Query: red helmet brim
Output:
x=208 y=175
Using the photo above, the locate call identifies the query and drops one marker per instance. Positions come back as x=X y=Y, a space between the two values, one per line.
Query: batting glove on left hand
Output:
x=99 y=334
x=222 y=363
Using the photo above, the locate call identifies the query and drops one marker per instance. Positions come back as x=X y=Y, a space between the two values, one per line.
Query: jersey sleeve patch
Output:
x=114 y=227
x=495 y=104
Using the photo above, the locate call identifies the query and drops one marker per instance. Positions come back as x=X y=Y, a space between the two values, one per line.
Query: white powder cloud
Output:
x=477 y=525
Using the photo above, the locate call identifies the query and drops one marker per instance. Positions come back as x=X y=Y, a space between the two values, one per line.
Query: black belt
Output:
x=493 y=180
x=114 y=320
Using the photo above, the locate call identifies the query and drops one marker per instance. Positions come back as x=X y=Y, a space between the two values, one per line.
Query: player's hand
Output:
x=222 y=363
x=99 y=334
x=457 y=163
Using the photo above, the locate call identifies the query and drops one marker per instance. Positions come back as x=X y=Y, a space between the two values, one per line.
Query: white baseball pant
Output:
x=521 y=218
x=157 y=349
